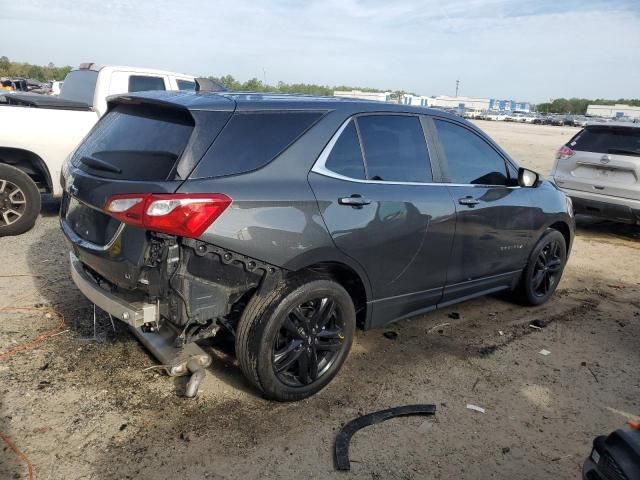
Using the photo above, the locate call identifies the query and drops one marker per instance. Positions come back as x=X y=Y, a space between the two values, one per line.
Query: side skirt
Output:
x=400 y=308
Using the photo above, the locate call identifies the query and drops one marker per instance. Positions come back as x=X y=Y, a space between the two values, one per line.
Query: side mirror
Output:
x=528 y=178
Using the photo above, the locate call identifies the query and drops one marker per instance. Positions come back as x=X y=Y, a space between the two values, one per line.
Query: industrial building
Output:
x=613 y=111
x=468 y=103
x=442 y=101
x=376 y=96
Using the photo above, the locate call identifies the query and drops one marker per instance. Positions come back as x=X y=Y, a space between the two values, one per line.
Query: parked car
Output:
x=288 y=220
x=557 y=120
x=599 y=168
x=495 y=115
x=55 y=88
x=35 y=141
x=580 y=121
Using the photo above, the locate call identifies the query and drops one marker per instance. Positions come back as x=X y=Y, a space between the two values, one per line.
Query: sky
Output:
x=526 y=50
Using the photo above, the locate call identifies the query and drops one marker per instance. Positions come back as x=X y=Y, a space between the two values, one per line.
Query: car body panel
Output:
x=412 y=224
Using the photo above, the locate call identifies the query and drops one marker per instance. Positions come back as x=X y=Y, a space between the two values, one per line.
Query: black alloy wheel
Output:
x=544 y=269
x=308 y=341
x=548 y=268
x=291 y=342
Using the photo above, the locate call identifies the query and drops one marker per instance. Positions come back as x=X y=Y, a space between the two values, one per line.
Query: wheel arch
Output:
x=356 y=286
x=31 y=164
x=565 y=230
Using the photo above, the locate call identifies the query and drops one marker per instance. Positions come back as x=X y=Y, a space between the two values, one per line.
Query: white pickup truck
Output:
x=38 y=132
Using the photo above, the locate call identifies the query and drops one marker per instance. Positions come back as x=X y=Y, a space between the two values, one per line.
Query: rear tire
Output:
x=19 y=201
x=292 y=342
x=544 y=269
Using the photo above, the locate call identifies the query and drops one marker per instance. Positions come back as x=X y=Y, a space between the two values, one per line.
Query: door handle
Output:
x=355 y=200
x=468 y=201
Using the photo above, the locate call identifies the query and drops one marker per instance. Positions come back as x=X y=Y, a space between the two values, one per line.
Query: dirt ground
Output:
x=85 y=408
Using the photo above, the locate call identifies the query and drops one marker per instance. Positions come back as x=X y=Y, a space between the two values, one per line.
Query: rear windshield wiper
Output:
x=624 y=151
x=98 y=164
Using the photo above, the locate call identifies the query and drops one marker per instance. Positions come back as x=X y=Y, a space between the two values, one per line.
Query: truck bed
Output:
x=43 y=101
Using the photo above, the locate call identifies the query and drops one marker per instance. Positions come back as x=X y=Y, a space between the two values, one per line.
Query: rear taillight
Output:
x=184 y=215
x=564 y=153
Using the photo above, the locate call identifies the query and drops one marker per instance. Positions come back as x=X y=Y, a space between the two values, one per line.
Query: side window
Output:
x=253 y=139
x=141 y=83
x=470 y=159
x=186 y=85
x=346 y=157
x=395 y=148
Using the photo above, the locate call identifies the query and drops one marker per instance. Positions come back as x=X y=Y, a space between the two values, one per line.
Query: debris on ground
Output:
x=344 y=437
x=500 y=332
x=505 y=450
x=475 y=408
x=537 y=324
x=584 y=364
x=544 y=352
x=439 y=327
x=390 y=334
x=454 y=315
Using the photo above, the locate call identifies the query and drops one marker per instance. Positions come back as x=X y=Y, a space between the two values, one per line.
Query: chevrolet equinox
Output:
x=288 y=221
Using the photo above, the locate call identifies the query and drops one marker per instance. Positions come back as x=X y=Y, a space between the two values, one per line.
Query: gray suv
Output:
x=599 y=169
x=284 y=222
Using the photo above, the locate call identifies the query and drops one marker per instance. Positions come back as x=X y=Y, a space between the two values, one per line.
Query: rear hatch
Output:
x=602 y=159
x=145 y=144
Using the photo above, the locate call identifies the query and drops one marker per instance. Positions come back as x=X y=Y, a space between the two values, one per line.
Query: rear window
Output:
x=135 y=142
x=251 y=140
x=143 y=83
x=79 y=86
x=186 y=85
x=620 y=140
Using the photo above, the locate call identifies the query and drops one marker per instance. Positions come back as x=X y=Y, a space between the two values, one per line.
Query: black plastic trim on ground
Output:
x=344 y=437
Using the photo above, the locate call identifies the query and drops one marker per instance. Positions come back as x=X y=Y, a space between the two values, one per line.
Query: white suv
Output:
x=599 y=169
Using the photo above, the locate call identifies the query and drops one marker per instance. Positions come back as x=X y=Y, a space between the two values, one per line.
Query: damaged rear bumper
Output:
x=160 y=339
x=134 y=314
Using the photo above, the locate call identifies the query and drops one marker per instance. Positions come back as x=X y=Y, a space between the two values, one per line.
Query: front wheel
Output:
x=19 y=201
x=292 y=342
x=544 y=269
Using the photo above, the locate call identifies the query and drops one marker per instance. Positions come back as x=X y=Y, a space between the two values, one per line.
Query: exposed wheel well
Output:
x=29 y=163
x=352 y=283
x=563 y=228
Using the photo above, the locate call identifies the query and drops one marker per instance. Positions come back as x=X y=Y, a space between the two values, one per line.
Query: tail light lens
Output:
x=564 y=153
x=184 y=215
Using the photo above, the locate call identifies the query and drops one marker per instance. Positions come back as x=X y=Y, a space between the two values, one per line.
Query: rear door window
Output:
x=395 y=149
x=143 y=83
x=614 y=140
x=134 y=142
x=253 y=139
x=470 y=159
x=346 y=156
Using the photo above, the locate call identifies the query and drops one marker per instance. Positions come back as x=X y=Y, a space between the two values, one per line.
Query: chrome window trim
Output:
x=319 y=167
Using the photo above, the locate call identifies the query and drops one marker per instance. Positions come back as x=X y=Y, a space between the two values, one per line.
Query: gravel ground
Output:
x=80 y=406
